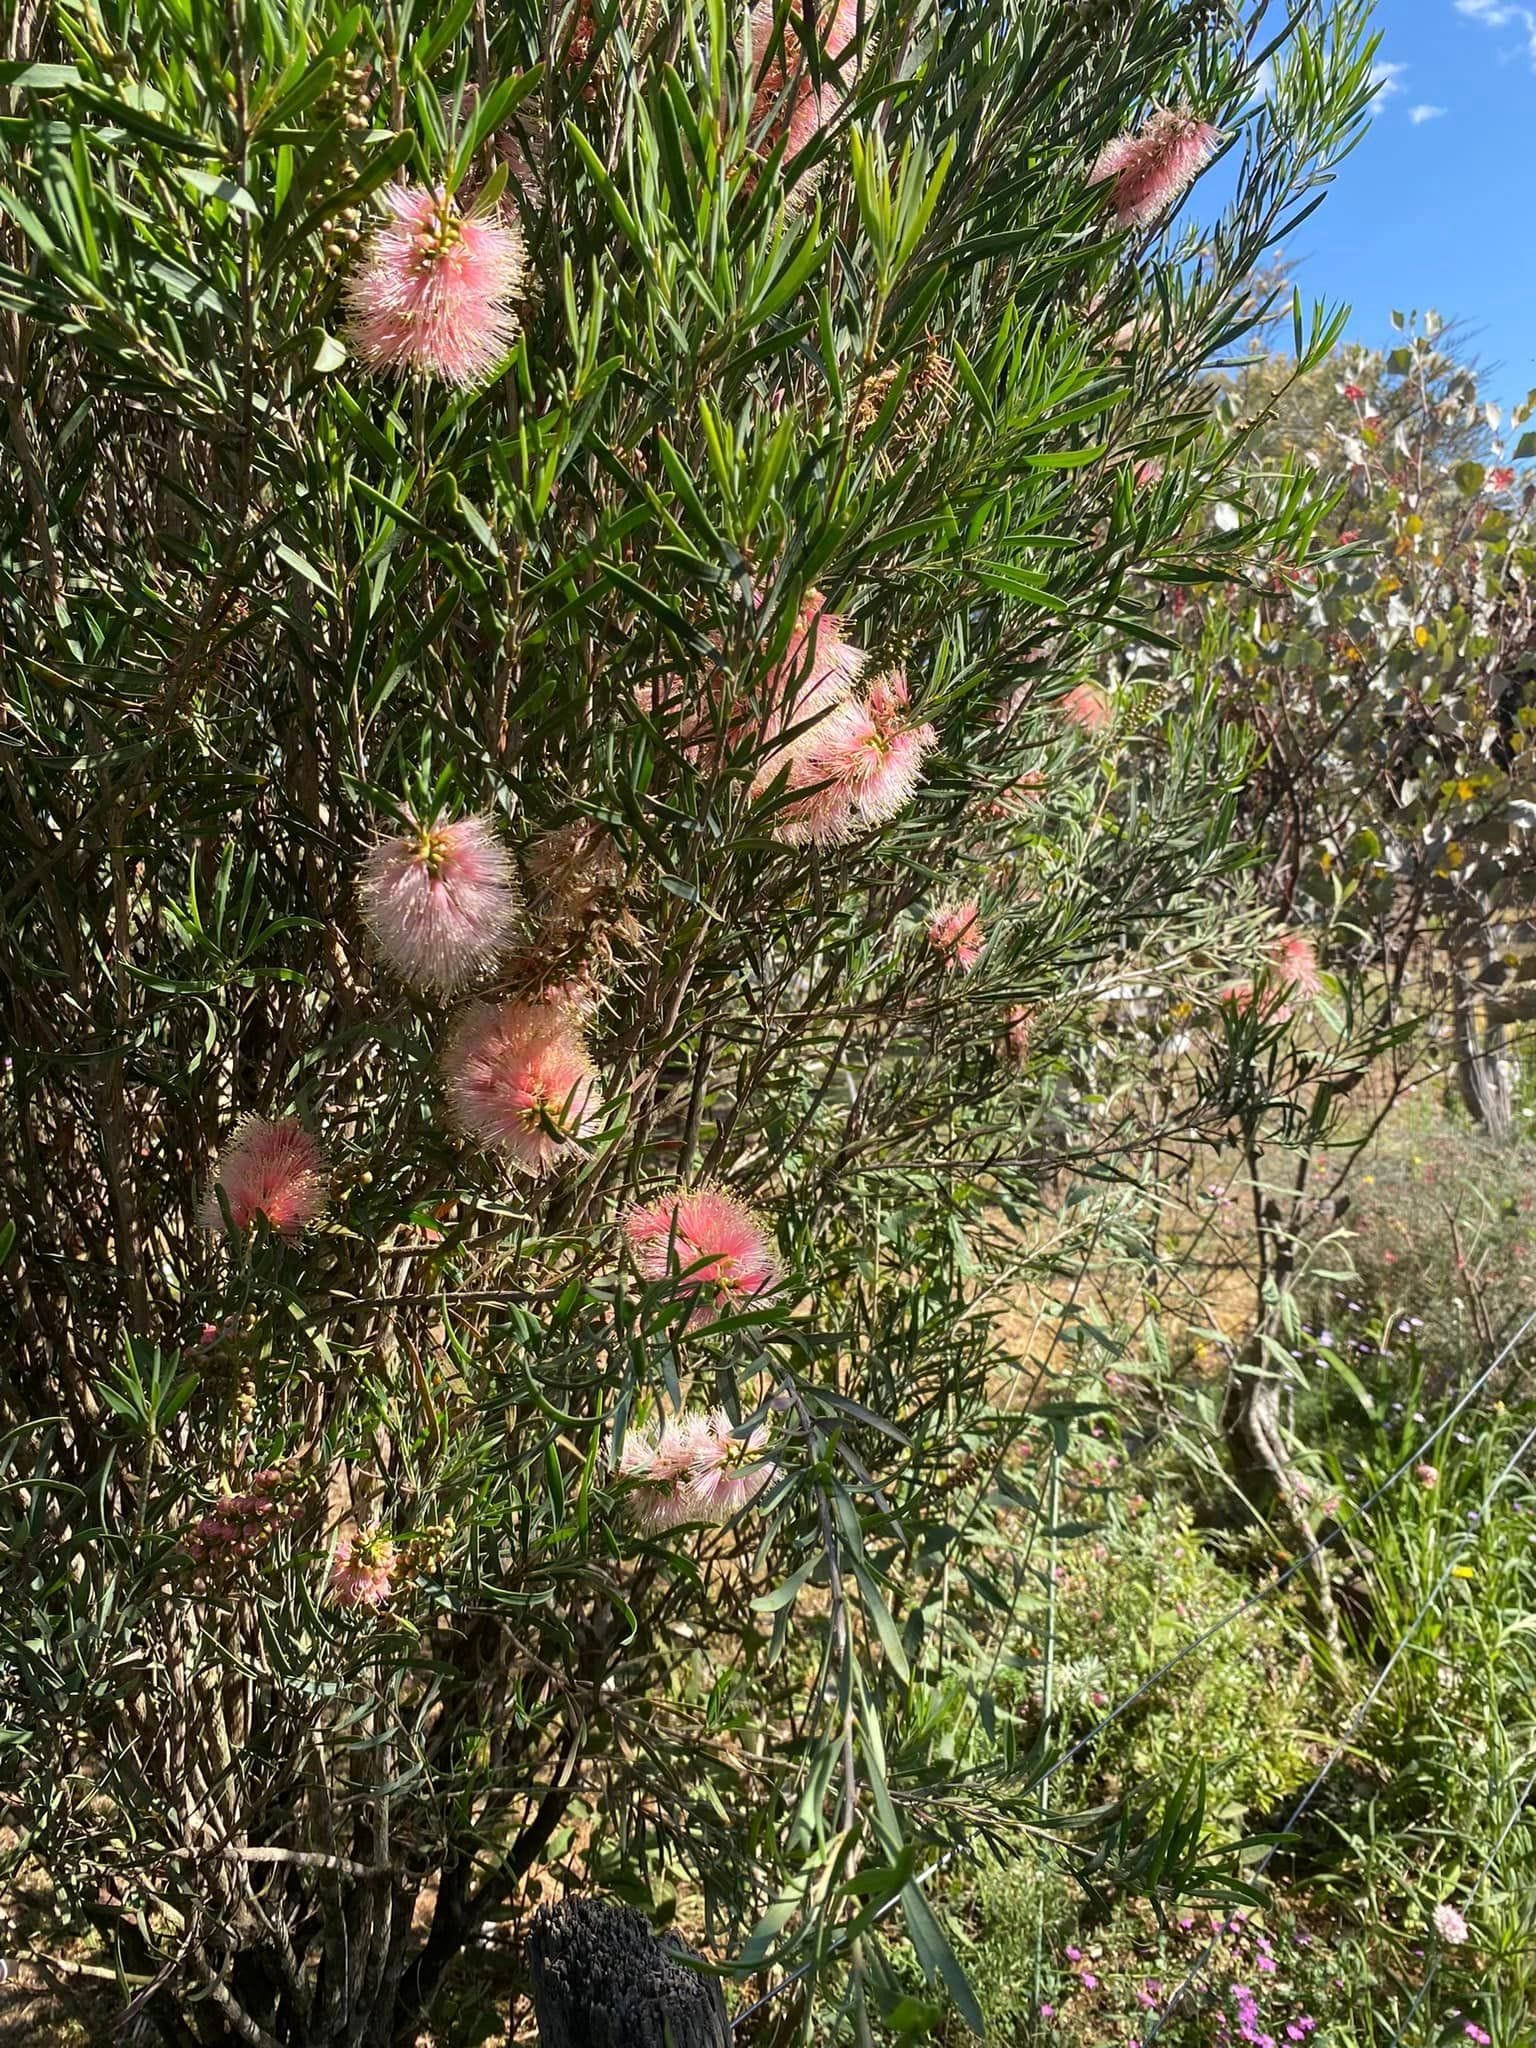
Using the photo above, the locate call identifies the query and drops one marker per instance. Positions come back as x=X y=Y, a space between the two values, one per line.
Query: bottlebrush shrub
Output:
x=440 y=447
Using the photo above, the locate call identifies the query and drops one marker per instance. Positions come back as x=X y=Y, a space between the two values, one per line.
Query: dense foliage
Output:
x=612 y=512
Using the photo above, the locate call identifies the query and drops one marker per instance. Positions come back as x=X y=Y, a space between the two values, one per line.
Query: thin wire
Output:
x=1359 y=1713
x=1267 y=1592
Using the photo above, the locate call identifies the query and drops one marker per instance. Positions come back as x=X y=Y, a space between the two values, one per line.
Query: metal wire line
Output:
x=1361 y=1709
x=1244 y=1606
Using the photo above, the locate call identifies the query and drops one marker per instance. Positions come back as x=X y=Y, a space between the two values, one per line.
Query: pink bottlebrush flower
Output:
x=431 y=288
x=719 y=720
x=273 y=1170
x=441 y=902
x=1354 y=393
x=521 y=1080
x=955 y=934
x=1500 y=478
x=1147 y=473
x=1087 y=708
x=717 y=1246
x=362 y=1571
x=798 y=109
x=1146 y=172
x=1262 y=999
x=728 y=1471
x=1428 y=1476
x=1293 y=963
x=860 y=764
x=1449 y=1924
x=658 y=1467
x=818 y=670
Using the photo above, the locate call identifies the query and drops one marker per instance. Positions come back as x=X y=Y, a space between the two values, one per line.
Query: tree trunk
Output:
x=1265 y=1472
x=601 y=1979
x=1483 y=1064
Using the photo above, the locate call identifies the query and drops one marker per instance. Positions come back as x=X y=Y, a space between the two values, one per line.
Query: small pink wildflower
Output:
x=1477 y=2034
x=521 y=1080
x=430 y=291
x=273 y=1170
x=1146 y=172
x=1354 y=393
x=1500 y=478
x=717 y=1247
x=1087 y=708
x=441 y=902
x=860 y=764
x=1449 y=1924
x=1428 y=1476
x=955 y=934
x=362 y=1571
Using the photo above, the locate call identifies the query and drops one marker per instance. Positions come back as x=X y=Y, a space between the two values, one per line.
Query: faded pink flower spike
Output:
x=430 y=290
x=521 y=1080
x=1428 y=1476
x=1146 y=172
x=362 y=1571
x=1293 y=963
x=860 y=765
x=274 y=1170
x=728 y=1471
x=955 y=934
x=441 y=902
x=695 y=1469
x=659 y=1467
x=717 y=1246
x=818 y=670
x=1087 y=708
x=785 y=75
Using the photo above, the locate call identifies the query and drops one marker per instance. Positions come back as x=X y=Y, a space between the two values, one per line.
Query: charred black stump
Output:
x=601 y=1979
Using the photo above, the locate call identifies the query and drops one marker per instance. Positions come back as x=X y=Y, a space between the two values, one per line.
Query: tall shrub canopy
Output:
x=561 y=821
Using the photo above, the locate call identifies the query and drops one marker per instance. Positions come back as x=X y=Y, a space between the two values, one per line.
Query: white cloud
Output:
x=1419 y=115
x=1503 y=14
x=1387 y=79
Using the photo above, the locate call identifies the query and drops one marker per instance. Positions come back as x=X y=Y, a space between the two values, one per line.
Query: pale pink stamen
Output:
x=715 y=1247
x=521 y=1080
x=273 y=1170
x=1146 y=172
x=362 y=1571
x=431 y=287
x=861 y=765
x=441 y=902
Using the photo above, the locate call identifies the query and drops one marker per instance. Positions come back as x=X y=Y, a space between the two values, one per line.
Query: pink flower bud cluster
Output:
x=696 y=1468
x=242 y=1525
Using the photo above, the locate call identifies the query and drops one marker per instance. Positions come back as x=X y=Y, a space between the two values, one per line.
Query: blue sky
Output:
x=1437 y=206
